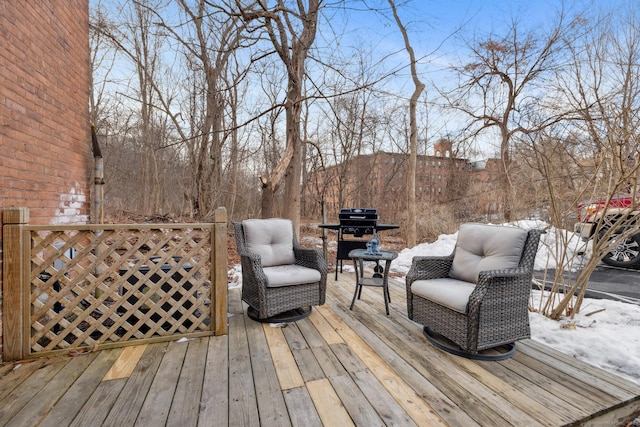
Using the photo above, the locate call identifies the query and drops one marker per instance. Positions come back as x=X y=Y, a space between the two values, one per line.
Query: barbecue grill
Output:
x=357 y=223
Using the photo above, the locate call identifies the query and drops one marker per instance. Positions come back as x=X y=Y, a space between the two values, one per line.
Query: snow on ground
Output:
x=605 y=333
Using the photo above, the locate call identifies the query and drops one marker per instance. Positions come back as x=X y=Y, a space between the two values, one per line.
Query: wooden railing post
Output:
x=15 y=273
x=219 y=286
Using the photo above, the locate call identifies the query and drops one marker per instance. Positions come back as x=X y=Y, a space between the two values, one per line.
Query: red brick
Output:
x=44 y=120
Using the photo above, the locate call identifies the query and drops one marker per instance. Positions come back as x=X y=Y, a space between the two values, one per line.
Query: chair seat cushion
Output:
x=482 y=247
x=451 y=293
x=271 y=238
x=287 y=275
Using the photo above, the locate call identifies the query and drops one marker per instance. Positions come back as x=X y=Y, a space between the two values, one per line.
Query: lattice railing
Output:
x=95 y=288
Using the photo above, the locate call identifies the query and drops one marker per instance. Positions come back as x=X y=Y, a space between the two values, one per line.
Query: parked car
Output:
x=596 y=218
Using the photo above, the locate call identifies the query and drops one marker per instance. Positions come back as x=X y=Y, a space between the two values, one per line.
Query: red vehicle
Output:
x=621 y=214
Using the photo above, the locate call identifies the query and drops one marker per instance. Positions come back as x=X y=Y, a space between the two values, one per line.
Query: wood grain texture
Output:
x=126 y=363
x=286 y=367
x=337 y=367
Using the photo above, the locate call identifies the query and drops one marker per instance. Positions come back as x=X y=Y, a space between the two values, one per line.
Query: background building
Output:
x=379 y=181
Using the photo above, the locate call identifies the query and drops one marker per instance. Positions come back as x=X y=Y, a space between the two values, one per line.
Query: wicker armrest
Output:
x=309 y=257
x=489 y=286
x=313 y=258
x=252 y=268
x=251 y=258
x=429 y=267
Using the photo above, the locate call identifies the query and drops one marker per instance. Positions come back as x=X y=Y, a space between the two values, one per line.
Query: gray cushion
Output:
x=482 y=247
x=285 y=275
x=451 y=293
x=272 y=239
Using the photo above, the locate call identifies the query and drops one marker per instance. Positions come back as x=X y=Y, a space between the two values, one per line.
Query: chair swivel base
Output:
x=448 y=346
x=284 y=317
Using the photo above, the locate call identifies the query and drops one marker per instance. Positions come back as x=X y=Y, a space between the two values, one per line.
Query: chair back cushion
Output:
x=482 y=247
x=272 y=239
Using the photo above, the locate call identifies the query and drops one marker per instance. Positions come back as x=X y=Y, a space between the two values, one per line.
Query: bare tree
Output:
x=133 y=37
x=502 y=88
x=209 y=39
x=411 y=231
x=292 y=32
x=604 y=88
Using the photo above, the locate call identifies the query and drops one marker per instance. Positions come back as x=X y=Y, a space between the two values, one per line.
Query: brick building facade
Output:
x=45 y=141
x=379 y=181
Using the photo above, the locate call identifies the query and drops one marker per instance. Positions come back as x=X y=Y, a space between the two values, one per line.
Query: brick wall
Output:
x=45 y=144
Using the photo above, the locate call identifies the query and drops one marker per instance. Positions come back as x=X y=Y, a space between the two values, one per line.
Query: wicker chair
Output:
x=281 y=281
x=477 y=297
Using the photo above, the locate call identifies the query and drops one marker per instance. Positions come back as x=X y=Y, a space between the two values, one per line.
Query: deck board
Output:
x=287 y=371
x=126 y=363
x=214 y=404
x=307 y=363
x=336 y=367
x=243 y=406
x=156 y=407
x=419 y=373
x=127 y=407
x=330 y=408
x=271 y=404
x=97 y=407
x=13 y=374
x=185 y=405
x=20 y=397
x=68 y=406
x=385 y=405
x=43 y=401
x=303 y=413
x=455 y=390
x=357 y=404
x=546 y=392
x=418 y=409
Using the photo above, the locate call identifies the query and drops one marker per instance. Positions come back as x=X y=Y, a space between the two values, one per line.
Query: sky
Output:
x=439 y=32
x=605 y=333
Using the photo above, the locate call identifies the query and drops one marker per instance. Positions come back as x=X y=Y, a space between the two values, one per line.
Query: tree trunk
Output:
x=505 y=180
x=293 y=187
x=293 y=50
x=267 y=200
x=411 y=231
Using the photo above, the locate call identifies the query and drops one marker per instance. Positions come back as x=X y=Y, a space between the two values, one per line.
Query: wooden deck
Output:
x=335 y=368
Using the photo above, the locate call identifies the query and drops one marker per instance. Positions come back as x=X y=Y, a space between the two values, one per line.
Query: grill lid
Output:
x=358 y=221
x=354 y=215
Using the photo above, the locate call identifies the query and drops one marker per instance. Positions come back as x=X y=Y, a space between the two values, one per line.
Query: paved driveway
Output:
x=612 y=283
